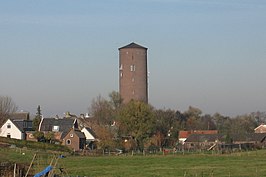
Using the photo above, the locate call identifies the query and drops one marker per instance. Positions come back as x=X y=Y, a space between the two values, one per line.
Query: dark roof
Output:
x=76 y=131
x=79 y=134
x=20 y=115
x=64 y=124
x=133 y=45
x=204 y=138
x=248 y=137
x=23 y=125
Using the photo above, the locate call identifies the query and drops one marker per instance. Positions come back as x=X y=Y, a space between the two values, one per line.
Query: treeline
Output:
x=137 y=125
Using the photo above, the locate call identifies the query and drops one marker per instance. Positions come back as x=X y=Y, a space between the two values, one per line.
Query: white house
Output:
x=15 y=129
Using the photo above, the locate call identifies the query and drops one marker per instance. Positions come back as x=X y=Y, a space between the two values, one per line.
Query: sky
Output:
x=209 y=54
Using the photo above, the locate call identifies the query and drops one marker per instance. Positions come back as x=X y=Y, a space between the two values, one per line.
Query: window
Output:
x=132 y=68
x=121 y=74
x=8 y=125
x=133 y=79
x=133 y=92
x=71 y=135
x=121 y=67
x=68 y=142
x=55 y=128
x=8 y=135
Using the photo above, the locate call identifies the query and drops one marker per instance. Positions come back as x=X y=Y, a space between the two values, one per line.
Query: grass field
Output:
x=245 y=164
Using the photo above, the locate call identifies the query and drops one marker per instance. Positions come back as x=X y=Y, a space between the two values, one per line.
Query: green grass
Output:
x=245 y=164
x=241 y=164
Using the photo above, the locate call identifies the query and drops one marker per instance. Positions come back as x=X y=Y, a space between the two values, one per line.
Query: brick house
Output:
x=183 y=135
x=75 y=140
x=203 y=141
x=59 y=127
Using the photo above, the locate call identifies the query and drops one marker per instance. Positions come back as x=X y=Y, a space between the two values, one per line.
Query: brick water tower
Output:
x=133 y=76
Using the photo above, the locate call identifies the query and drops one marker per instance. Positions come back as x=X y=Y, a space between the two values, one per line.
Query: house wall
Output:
x=199 y=145
x=73 y=139
x=13 y=131
x=30 y=136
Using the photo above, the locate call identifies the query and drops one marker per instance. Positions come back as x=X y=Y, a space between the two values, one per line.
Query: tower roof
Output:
x=133 y=45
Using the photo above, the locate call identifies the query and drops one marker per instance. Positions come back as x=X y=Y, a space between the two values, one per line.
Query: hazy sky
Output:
x=61 y=54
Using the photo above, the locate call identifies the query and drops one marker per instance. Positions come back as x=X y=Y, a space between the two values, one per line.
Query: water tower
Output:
x=133 y=77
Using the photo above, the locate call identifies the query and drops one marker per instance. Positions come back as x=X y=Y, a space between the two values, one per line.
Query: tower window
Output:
x=133 y=79
x=133 y=92
x=121 y=67
x=121 y=74
x=132 y=68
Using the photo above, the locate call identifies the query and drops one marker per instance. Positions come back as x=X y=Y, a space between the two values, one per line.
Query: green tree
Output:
x=206 y=122
x=49 y=137
x=37 y=119
x=243 y=124
x=166 y=127
x=39 y=135
x=193 y=116
x=136 y=119
x=223 y=124
x=182 y=119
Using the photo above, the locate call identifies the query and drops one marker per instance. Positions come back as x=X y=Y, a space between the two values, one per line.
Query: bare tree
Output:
x=7 y=106
x=101 y=111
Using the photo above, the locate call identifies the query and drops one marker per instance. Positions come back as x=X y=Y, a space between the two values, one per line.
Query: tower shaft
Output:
x=133 y=80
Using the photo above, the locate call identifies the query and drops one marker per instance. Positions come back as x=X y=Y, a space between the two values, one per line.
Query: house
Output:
x=260 y=129
x=203 y=141
x=233 y=141
x=16 y=128
x=74 y=139
x=90 y=137
x=59 y=126
x=183 y=135
x=249 y=140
